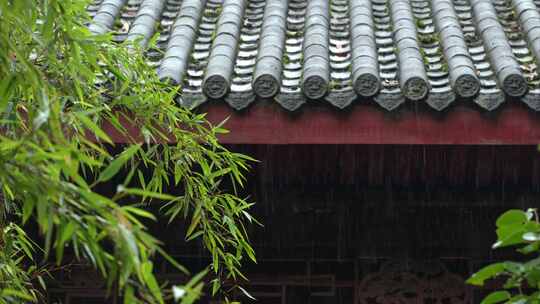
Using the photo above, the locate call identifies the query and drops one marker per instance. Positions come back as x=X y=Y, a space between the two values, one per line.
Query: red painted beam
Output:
x=513 y=124
x=270 y=124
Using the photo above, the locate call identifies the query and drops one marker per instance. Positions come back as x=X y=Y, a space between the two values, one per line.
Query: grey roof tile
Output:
x=413 y=78
x=145 y=22
x=182 y=35
x=463 y=76
x=498 y=49
x=106 y=14
x=219 y=71
x=269 y=67
x=316 y=64
x=365 y=65
x=297 y=52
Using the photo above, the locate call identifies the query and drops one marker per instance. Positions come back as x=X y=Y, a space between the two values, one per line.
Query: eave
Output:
x=268 y=123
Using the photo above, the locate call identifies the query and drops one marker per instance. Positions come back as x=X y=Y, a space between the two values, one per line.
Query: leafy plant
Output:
x=520 y=280
x=64 y=93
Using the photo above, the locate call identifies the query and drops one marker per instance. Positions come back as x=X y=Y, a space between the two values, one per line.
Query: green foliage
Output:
x=521 y=280
x=59 y=87
x=15 y=279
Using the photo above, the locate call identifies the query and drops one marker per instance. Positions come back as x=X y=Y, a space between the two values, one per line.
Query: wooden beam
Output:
x=265 y=123
x=514 y=124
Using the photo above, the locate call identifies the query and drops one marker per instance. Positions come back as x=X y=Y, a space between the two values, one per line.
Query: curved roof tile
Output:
x=267 y=74
x=104 y=18
x=460 y=64
x=337 y=51
x=145 y=22
x=182 y=36
x=220 y=67
x=412 y=72
x=365 y=64
x=498 y=48
x=316 y=65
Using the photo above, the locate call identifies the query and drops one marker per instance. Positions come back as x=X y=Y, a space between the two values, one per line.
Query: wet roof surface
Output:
x=387 y=52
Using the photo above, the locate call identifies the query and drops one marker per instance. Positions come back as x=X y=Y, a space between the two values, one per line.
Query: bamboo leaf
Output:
x=16 y=293
x=149 y=194
x=195 y=220
x=117 y=163
x=139 y=212
x=6 y=86
x=93 y=127
x=150 y=280
x=247 y=294
x=44 y=110
x=130 y=240
x=67 y=232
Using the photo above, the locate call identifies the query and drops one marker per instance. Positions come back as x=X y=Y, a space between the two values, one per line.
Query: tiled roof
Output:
x=338 y=51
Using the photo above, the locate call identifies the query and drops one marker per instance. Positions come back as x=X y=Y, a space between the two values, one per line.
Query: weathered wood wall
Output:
x=357 y=223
